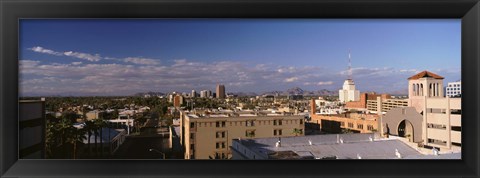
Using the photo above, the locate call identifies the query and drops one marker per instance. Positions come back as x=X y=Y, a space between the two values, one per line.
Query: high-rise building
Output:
x=194 y=94
x=205 y=94
x=177 y=100
x=348 y=92
x=220 y=91
x=454 y=89
x=31 y=129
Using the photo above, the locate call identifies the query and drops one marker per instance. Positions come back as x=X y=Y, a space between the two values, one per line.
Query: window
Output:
x=301 y=121
x=277 y=132
x=192 y=135
x=277 y=122
x=350 y=125
x=370 y=127
x=359 y=126
x=456 y=128
x=455 y=111
x=220 y=134
x=342 y=124
x=220 y=124
x=250 y=123
x=220 y=145
x=192 y=124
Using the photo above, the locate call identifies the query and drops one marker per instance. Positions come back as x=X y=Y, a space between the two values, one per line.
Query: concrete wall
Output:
x=393 y=118
x=205 y=131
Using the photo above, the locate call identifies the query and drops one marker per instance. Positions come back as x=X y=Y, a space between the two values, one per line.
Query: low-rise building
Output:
x=355 y=122
x=208 y=134
x=386 y=104
x=332 y=146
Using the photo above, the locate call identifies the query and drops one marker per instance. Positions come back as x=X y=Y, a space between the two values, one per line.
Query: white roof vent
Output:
x=309 y=142
x=398 y=154
x=358 y=156
x=435 y=151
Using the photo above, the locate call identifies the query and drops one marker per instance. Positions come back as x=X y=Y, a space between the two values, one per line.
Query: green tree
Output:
x=76 y=135
x=297 y=131
x=100 y=124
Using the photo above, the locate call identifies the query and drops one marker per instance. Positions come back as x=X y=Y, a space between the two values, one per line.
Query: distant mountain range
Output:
x=291 y=91
x=151 y=93
x=299 y=91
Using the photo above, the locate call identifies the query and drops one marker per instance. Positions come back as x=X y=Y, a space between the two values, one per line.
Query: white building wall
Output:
x=453 y=88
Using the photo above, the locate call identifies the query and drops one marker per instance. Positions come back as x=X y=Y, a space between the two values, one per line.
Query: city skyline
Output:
x=124 y=57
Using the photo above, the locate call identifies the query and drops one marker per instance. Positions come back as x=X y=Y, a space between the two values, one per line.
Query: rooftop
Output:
x=424 y=74
x=329 y=146
x=230 y=113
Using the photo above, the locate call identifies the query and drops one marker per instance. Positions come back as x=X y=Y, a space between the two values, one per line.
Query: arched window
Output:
x=430 y=90
x=413 y=90
x=421 y=89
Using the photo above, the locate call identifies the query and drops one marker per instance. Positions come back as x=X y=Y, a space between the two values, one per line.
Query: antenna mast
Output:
x=349 y=65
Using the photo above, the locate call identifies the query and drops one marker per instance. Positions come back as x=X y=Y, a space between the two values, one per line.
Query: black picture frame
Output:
x=11 y=11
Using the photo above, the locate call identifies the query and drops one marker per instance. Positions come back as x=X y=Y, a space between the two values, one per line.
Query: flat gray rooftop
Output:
x=328 y=146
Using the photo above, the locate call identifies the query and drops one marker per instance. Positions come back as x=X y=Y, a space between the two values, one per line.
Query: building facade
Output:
x=437 y=121
x=177 y=100
x=421 y=85
x=348 y=92
x=31 y=129
x=454 y=89
x=220 y=91
x=208 y=135
x=386 y=104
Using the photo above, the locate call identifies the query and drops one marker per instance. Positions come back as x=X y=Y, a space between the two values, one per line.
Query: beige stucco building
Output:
x=437 y=120
x=208 y=135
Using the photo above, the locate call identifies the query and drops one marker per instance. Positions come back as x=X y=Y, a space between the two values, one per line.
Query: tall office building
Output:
x=194 y=94
x=348 y=92
x=220 y=91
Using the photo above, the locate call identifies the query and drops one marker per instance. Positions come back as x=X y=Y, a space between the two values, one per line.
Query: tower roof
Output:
x=425 y=74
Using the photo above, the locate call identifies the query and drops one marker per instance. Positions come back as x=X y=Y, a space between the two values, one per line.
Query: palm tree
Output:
x=89 y=128
x=49 y=138
x=297 y=131
x=250 y=134
x=100 y=123
x=77 y=135
x=62 y=128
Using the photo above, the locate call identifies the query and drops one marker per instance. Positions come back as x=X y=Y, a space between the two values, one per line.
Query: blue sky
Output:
x=122 y=57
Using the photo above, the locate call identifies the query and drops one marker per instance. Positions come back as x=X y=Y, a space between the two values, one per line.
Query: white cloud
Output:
x=39 y=49
x=325 y=83
x=144 y=61
x=76 y=63
x=184 y=75
x=291 y=79
x=86 y=56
